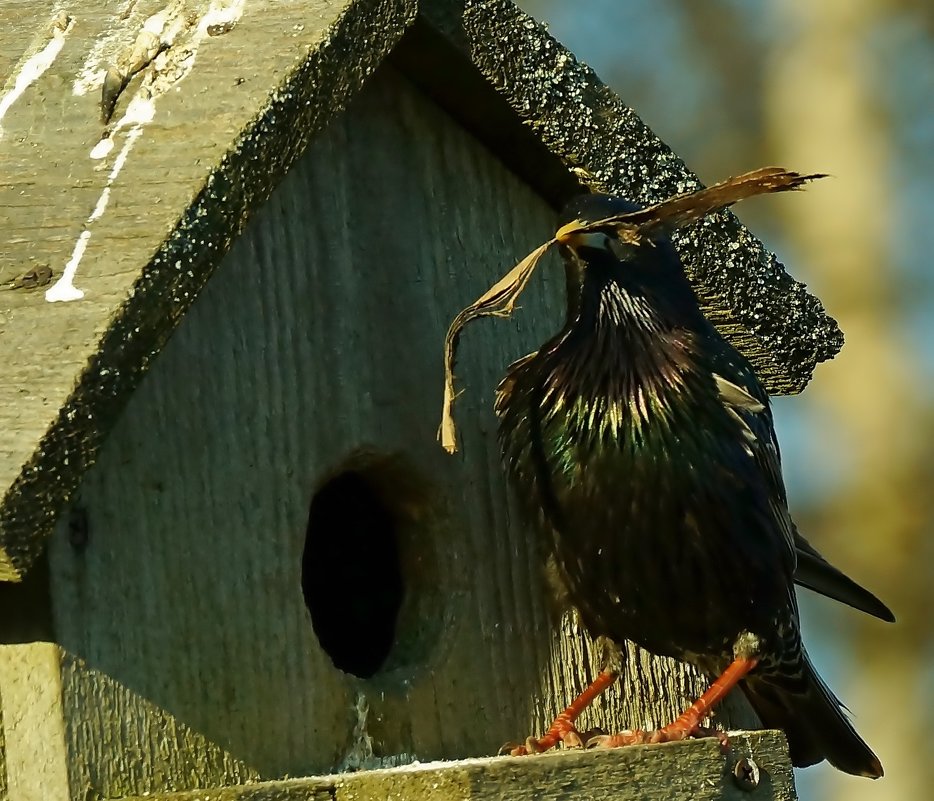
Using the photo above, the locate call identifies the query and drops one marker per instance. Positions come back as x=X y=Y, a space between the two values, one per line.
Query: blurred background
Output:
x=844 y=87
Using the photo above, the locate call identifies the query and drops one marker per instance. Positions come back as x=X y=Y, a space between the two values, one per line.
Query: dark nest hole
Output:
x=369 y=574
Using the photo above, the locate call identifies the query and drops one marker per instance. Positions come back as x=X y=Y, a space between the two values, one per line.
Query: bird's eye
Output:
x=617 y=248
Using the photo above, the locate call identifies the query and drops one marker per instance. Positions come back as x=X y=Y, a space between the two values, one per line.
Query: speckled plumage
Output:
x=642 y=443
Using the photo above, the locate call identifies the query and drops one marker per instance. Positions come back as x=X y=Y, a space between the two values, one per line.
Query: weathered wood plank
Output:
x=321 y=334
x=73 y=733
x=172 y=193
x=695 y=770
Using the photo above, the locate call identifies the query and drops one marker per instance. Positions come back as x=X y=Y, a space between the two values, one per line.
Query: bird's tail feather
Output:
x=813 y=719
x=817 y=574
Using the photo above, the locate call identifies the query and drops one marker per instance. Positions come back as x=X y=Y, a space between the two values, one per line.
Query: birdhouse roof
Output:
x=206 y=110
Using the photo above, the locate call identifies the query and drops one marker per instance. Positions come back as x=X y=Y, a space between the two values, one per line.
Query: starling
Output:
x=641 y=444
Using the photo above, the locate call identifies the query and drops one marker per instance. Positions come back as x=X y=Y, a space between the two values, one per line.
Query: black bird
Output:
x=642 y=443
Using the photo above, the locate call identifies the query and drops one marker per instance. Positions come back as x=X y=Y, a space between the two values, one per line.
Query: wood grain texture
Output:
x=219 y=142
x=695 y=770
x=73 y=733
x=321 y=334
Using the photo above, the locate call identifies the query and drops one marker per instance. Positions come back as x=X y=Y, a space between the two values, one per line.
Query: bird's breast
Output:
x=636 y=477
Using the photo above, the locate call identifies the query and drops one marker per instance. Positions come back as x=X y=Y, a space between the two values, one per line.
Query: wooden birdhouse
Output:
x=231 y=548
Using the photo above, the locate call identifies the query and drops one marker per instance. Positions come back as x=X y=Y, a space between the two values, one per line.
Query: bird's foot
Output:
x=667 y=734
x=688 y=724
x=561 y=731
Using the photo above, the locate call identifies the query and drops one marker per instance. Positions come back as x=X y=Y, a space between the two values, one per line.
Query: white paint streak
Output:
x=91 y=74
x=156 y=23
x=141 y=110
x=131 y=138
x=64 y=288
x=220 y=13
x=102 y=149
x=101 y=206
x=33 y=68
x=89 y=79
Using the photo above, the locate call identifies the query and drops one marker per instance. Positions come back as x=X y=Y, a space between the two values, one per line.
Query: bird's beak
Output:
x=567 y=233
x=570 y=236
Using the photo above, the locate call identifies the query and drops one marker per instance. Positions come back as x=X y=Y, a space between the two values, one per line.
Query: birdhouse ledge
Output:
x=756 y=766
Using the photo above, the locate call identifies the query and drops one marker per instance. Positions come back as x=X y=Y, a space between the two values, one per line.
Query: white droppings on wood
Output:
x=170 y=69
x=64 y=289
x=33 y=68
x=91 y=75
x=222 y=13
x=103 y=51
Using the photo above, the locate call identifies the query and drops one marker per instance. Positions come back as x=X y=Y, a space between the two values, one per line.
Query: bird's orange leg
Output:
x=563 y=729
x=688 y=723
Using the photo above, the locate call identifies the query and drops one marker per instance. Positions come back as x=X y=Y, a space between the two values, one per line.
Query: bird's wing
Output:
x=750 y=404
x=745 y=398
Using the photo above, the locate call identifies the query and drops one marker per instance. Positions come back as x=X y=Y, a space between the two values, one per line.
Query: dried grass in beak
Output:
x=634 y=228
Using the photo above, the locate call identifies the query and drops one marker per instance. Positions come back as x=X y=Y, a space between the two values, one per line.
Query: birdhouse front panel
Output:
x=272 y=545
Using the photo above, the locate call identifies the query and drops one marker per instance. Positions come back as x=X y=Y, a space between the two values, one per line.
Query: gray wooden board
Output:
x=73 y=733
x=219 y=142
x=320 y=334
x=695 y=770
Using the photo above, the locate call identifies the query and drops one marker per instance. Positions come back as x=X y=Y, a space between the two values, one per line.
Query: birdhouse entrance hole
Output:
x=368 y=566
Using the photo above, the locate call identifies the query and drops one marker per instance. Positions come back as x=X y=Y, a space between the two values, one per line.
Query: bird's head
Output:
x=647 y=272
x=591 y=209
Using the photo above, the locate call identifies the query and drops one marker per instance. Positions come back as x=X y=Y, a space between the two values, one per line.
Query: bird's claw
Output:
x=618 y=740
x=532 y=745
x=572 y=739
x=721 y=735
x=567 y=736
x=667 y=734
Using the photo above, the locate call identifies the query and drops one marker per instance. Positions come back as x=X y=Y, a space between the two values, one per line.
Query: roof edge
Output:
x=301 y=107
x=560 y=105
